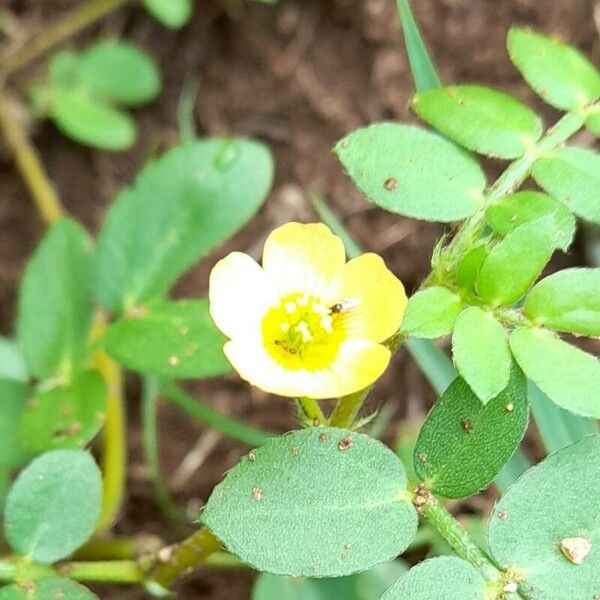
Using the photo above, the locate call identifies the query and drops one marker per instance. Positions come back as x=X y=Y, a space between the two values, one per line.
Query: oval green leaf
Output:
x=469 y=266
x=53 y=588
x=368 y=585
x=559 y=73
x=573 y=176
x=431 y=313
x=442 y=578
x=53 y=506
x=567 y=301
x=13 y=397
x=526 y=206
x=412 y=172
x=516 y=262
x=55 y=306
x=552 y=502
x=172 y=14
x=569 y=376
x=179 y=207
x=120 y=72
x=89 y=121
x=66 y=416
x=174 y=339
x=480 y=119
x=481 y=352
x=463 y=443
x=335 y=500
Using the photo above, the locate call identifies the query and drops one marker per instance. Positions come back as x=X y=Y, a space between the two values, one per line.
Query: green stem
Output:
x=311 y=412
x=347 y=408
x=121 y=548
x=184 y=557
x=458 y=539
x=114 y=458
x=209 y=416
x=29 y=163
x=70 y=24
x=150 y=391
x=116 y=571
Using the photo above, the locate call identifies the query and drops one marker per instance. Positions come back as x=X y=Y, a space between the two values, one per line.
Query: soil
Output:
x=298 y=75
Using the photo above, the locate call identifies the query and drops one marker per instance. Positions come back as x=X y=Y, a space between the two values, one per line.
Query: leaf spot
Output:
x=390 y=184
x=257 y=493
x=345 y=444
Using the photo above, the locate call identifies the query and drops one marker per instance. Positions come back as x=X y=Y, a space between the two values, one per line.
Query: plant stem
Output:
x=68 y=25
x=449 y=528
x=312 y=412
x=117 y=571
x=184 y=557
x=150 y=390
x=29 y=164
x=114 y=459
x=120 y=548
x=347 y=408
x=209 y=416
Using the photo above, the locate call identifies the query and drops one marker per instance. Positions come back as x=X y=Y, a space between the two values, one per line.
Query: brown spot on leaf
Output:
x=345 y=444
x=256 y=493
x=390 y=184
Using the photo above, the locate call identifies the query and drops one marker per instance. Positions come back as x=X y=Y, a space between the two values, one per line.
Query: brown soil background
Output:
x=298 y=75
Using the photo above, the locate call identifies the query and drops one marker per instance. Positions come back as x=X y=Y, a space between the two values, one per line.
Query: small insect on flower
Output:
x=306 y=323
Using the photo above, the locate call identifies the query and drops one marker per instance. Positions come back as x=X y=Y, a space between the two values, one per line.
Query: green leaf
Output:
x=13 y=396
x=431 y=313
x=180 y=207
x=55 y=307
x=66 y=416
x=569 y=376
x=480 y=119
x=592 y=122
x=12 y=363
x=53 y=506
x=442 y=578
x=567 y=301
x=64 y=69
x=421 y=66
x=559 y=73
x=516 y=262
x=555 y=500
x=89 y=121
x=368 y=585
x=469 y=266
x=481 y=352
x=171 y=13
x=412 y=172
x=53 y=588
x=174 y=339
x=526 y=206
x=329 y=496
x=120 y=72
x=573 y=176
x=463 y=443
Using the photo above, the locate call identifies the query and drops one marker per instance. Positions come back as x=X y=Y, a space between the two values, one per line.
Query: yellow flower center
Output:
x=302 y=332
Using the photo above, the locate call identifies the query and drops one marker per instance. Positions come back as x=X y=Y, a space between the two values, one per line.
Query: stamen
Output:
x=290 y=307
x=302 y=329
x=327 y=323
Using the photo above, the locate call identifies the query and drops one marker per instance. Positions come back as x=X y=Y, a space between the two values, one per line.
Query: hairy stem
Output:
x=311 y=411
x=209 y=416
x=184 y=557
x=67 y=26
x=347 y=408
x=29 y=163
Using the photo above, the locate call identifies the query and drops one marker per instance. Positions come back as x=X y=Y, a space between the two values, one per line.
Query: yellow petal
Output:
x=374 y=297
x=303 y=258
x=357 y=365
x=239 y=295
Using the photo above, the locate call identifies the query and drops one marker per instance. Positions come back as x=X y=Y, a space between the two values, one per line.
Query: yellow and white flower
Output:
x=306 y=323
